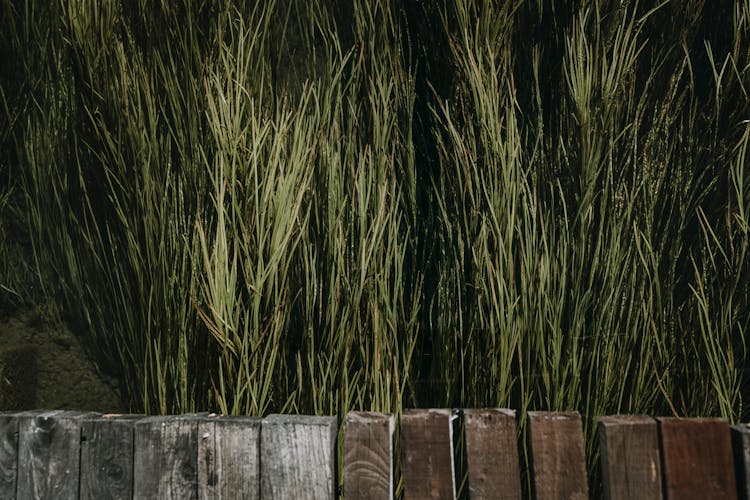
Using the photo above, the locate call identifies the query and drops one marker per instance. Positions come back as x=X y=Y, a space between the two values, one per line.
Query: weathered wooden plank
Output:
x=229 y=458
x=48 y=454
x=298 y=457
x=427 y=437
x=8 y=454
x=630 y=460
x=557 y=456
x=697 y=458
x=741 y=452
x=492 y=454
x=166 y=457
x=107 y=457
x=368 y=455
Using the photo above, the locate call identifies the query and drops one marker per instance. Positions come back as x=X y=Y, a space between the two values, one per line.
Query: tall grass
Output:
x=580 y=250
x=323 y=206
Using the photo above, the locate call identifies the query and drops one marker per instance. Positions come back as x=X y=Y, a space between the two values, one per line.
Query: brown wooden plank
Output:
x=229 y=458
x=492 y=454
x=630 y=459
x=697 y=458
x=741 y=452
x=368 y=455
x=557 y=456
x=298 y=457
x=107 y=457
x=166 y=457
x=8 y=454
x=427 y=437
x=48 y=454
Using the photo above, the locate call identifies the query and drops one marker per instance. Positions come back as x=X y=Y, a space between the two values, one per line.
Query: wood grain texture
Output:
x=697 y=459
x=298 y=457
x=428 y=469
x=229 y=458
x=492 y=454
x=557 y=456
x=107 y=444
x=741 y=452
x=368 y=455
x=166 y=458
x=8 y=454
x=48 y=455
x=630 y=458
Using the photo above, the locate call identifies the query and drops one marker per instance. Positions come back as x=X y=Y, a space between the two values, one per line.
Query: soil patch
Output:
x=64 y=376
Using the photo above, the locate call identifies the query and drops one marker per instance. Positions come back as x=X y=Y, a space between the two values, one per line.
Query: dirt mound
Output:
x=38 y=351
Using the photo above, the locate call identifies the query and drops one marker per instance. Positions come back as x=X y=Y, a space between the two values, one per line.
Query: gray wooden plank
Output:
x=697 y=458
x=8 y=454
x=229 y=458
x=558 y=460
x=107 y=457
x=298 y=459
x=428 y=469
x=630 y=459
x=368 y=455
x=492 y=454
x=741 y=451
x=48 y=455
x=166 y=458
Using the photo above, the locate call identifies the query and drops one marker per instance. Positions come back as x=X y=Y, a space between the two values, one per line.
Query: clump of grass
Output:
x=261 y=173
x=571 y=219
x=112 y=195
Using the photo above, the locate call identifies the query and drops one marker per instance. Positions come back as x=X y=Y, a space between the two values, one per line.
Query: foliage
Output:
x=321 y=206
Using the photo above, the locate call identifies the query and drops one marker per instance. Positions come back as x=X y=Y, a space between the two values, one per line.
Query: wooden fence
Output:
x=62 y=454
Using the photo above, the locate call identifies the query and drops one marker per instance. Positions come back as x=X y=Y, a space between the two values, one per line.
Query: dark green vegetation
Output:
x=321 y=206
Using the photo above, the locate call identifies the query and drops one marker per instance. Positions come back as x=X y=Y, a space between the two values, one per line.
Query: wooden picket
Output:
x=558 y=462
x=630 y=460
x=492 y=454
x=166 y=458
x=229 y=458
x=107 y=456
x=741 y=452
x=428 y=454
x=368 y=456
x=298 y=459
x=697 y=458
x=8 y=454
x=48 y=454
x=63 y=454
